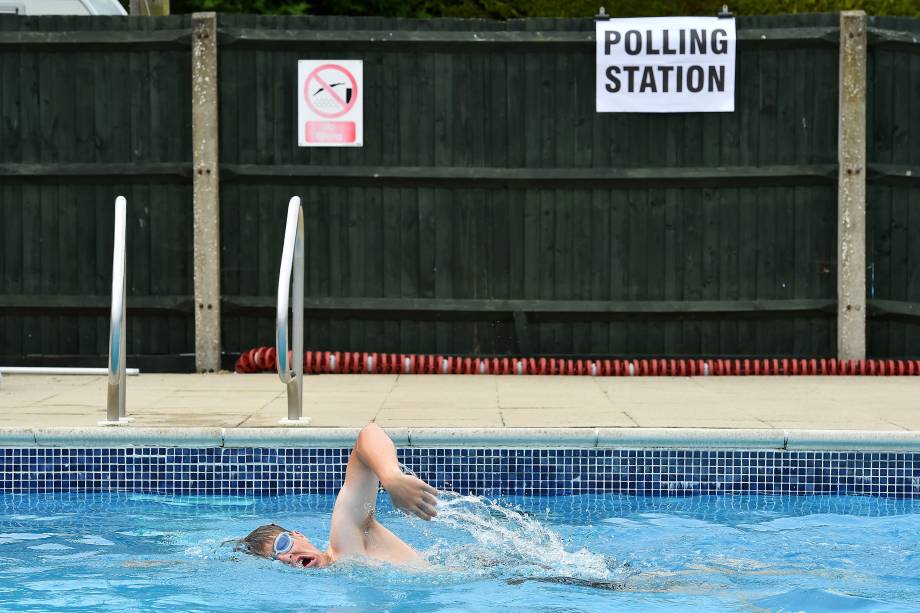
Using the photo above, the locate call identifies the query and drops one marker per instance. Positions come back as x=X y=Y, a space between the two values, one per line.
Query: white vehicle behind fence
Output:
x=61 y=7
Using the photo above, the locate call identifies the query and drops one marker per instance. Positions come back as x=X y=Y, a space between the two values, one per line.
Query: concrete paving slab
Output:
x=213 y=420
x=350 y=383
x=215 y=401
x=729 y=410
x=320 y=415
x=227 y=400
x=440 y=422
x=860 y=424
x=23 y=396
x=558 y=417
x=573 y=393
x=478 y=420
x=352 y=420
x=446 y=381
x=433 y=408
x=52 y=420
x=205 y=382
x=419 y=401
x=694 y=422
x=425 y=391
x=554 y=402
x=312 y=409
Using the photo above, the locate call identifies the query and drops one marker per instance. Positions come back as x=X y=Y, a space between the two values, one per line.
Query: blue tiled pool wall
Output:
x=266 y=472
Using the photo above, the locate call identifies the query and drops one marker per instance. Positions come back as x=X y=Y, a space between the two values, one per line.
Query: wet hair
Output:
x=261 y=541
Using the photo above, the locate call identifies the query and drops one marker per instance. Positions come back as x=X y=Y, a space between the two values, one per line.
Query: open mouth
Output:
x=307 y=561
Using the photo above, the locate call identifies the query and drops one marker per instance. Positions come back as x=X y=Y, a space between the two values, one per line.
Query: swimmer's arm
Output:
x=373 y=461
x=408 y=493
x=384 y=545
x=355 y=530
x=354 y=508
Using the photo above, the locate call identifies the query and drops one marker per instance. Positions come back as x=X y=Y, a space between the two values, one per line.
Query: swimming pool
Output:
x=128 y=551
x=142 y=524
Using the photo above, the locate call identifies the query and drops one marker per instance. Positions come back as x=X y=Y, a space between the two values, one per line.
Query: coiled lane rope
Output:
x=264 y=359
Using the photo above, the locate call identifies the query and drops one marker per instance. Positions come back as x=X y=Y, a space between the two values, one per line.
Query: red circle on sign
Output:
x=345 y=106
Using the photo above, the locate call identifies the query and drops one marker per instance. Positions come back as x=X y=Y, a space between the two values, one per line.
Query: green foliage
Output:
x=650 y=8
x=259 y=7
x=514 y=9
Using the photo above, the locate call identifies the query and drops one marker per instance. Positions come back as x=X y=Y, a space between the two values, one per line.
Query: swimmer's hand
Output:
x=411 y=495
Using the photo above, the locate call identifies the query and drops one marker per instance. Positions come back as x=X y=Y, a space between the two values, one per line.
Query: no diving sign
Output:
x=330 y=103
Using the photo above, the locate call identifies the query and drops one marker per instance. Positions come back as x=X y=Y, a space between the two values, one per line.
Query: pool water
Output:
x=120 y=552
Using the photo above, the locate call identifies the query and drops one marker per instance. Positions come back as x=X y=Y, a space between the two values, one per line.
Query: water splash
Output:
x=509 y=543
x=501 y=540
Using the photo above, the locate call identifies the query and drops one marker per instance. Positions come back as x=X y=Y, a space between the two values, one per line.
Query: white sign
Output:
x=665 y=65
x=330 y=109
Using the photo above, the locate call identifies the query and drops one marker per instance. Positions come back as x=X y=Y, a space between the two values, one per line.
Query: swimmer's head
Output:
x=287 y=546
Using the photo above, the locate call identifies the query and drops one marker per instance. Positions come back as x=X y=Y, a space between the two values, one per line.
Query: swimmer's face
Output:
x=303 y=554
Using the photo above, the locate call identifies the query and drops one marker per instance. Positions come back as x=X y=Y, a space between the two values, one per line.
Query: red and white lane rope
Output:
x=264 y=359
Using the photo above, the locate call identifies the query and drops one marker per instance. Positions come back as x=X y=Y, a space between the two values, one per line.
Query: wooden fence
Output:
x=491 y=210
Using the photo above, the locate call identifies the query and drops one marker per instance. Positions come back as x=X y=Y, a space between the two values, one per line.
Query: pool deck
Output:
x=769 y=408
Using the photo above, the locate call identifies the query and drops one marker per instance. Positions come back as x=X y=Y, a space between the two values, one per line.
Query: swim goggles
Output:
x=284 y=542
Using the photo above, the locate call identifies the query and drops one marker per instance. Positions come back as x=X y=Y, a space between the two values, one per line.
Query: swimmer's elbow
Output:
x=370 y=431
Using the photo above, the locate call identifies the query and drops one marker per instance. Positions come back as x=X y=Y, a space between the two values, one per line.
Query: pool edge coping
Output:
x=556 y=438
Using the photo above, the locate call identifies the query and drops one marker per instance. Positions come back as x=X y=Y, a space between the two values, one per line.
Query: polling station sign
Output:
x=330 y=111
x=665 y=65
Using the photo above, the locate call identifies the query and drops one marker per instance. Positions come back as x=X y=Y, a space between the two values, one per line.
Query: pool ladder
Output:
x=115 y=402
x=291 y=262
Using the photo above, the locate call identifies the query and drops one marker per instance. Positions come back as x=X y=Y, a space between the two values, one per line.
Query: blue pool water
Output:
x=120 y=552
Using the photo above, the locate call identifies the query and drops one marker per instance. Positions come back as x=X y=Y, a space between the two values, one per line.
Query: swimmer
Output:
x=355 y=531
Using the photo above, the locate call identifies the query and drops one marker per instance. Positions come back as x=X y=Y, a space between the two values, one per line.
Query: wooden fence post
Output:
x=206 y=205
x=851 y=190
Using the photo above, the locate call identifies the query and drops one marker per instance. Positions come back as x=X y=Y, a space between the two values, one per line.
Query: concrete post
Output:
x=206 y=205
x=851 y=190
x=151 y=8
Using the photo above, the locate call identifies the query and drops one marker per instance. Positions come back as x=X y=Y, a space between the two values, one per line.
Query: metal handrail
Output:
x=291 y=258
x=115 y=404
x=61 y=370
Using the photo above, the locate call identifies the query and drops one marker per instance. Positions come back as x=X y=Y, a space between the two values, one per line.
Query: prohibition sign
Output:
x=321 y=95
